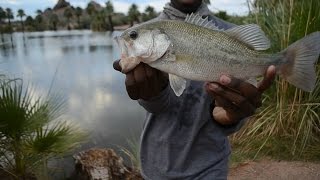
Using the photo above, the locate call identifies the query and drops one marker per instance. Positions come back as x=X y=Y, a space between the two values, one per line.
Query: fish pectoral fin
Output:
x=177 y=84
x=169 y=56
x=250 y=34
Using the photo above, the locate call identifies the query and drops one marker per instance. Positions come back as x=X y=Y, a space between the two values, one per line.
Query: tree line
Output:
x=92 y=17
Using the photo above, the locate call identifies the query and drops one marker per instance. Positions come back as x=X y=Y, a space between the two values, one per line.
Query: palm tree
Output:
x=39 y=12
x=21 y=14
x=78 y=12
x=133 y=14
x=30 y=131
x=54 y=19
x=109 y=12
x=2 y=15
x=68 y=14
x=39 y=20
x=9 y=15
x=91 y=10
x=29 y=21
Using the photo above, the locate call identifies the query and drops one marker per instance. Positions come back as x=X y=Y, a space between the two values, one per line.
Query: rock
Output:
x=61 y=4
x=102 y=164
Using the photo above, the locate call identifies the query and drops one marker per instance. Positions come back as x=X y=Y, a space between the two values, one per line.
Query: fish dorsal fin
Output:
x=177 y=84
x=196 y=19
x=250 y=34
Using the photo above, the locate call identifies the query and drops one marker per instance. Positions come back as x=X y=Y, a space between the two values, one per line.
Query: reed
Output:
x=287 y=126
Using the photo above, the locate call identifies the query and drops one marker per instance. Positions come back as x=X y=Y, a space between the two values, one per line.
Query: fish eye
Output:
x=133 y=35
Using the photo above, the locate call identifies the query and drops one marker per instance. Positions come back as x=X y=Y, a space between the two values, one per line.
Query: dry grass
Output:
x=288 y=124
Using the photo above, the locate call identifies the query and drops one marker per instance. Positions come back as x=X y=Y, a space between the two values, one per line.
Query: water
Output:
x=79 y=65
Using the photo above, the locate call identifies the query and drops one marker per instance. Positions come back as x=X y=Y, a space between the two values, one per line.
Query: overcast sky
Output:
x=238 y=7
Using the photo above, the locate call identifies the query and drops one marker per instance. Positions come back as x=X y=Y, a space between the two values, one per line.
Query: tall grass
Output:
x=133 y=152
x=288 y=124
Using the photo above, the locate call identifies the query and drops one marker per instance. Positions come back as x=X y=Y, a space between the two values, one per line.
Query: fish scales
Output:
x=203 y=54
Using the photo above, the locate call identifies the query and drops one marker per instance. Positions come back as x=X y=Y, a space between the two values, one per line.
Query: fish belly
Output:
x=208 y=69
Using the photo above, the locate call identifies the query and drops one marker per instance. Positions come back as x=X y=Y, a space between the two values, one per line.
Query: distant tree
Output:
x=2 y=15
x=78 y=12
x=149 y=13
x=222 y=15
x=68 y=14
x=133 y=14
x=39 y=22
x=99 y=22
x=48 y=9
x=29 y=21
x=54 y=19
x=9 y=15
x=39 y=12
x=91 y=10
x=21 y=14
x=109 y=12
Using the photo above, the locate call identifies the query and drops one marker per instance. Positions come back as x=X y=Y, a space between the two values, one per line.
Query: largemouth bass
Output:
x=197 y=50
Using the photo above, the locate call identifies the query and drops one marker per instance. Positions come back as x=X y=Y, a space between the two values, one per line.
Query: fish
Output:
x=196 y=49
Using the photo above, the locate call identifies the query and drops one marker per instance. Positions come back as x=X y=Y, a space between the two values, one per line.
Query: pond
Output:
x=77 y=64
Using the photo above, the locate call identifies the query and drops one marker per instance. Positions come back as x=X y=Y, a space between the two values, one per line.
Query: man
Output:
x=186 y=137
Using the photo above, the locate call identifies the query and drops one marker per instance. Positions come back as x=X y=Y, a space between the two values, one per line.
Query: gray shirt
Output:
x=180 y=139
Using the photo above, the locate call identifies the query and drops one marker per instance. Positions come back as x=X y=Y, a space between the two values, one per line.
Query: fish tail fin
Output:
x=300 y=58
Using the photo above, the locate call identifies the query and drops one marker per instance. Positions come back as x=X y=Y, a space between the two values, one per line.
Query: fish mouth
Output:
x=126 y=63
x=122 y=45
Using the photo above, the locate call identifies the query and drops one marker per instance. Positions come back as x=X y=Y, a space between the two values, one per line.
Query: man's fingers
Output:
x=150 y=72
x=249 y=91
x=130 y=80
x=233 y=97
x=140 y=73
x=225 y=117
x=221 y=102
x=245 y=88
x=116 y=65
x=268 y=79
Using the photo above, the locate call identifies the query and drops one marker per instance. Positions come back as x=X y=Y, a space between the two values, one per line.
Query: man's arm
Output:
x=149 y=86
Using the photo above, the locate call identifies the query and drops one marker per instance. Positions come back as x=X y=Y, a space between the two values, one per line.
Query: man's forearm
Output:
x=159 y=103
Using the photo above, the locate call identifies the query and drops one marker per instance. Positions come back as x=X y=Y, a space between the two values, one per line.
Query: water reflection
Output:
x=79 y=64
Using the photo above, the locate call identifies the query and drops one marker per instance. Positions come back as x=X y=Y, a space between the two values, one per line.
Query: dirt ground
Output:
x=274 y=170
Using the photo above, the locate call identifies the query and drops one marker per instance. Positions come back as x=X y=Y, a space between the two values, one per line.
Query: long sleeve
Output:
x=230 y=129
x=159 y=103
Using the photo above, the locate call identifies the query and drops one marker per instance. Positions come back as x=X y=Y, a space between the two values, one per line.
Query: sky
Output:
x=233 y=7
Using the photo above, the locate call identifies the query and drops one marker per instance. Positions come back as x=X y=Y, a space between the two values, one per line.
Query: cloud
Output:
x=12 y=2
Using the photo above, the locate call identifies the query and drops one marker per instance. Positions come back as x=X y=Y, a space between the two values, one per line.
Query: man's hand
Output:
x=236 y=99
x=143 y=82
